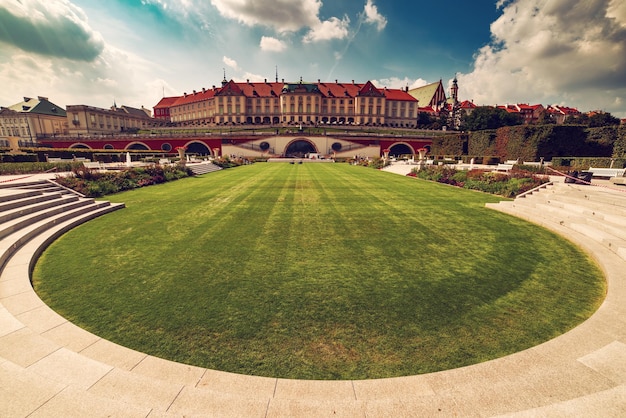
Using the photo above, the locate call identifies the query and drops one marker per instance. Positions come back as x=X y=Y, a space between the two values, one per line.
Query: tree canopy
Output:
x=487 y=117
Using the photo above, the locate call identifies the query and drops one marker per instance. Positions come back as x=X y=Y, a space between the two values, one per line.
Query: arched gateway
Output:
x=401 y=148
x=299 y=148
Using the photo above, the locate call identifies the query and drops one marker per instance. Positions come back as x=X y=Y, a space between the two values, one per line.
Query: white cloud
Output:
x=288 y=16
x=557 y=51
x=332 y=28
x=373 y=16
x=231 y=63
x=115 y=75
x=51 y=28
x=281 y=15
x=399 y=83
x=269 y=43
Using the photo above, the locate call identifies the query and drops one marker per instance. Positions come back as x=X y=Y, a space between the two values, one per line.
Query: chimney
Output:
x=194 y=92
x=352 y=81
x=203 y=90
x=265 y=81
x=185 y=94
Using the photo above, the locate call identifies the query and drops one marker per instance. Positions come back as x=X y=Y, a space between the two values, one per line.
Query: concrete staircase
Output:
x=50 y=367
x=596 y=213
x=203 y=168
x=30 y=209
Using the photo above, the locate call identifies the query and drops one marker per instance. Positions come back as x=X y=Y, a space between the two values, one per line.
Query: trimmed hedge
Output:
x=619 y=146
x=449 y=145
x=31 y=168
x=482 y=142
x=531 y=142
x=583 y=163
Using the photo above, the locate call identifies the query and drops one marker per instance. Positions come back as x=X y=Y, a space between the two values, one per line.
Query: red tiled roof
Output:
x=508 y=108
x=369 y=89
x=398 y=94
x=194 y=97
x=564 y=110
x=467 y=105
x=230 y=87
x=339 y=90
x=166 y=102
x=261 y=89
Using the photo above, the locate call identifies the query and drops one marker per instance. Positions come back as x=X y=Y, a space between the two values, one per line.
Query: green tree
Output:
x=602 y=119
x=487 y=117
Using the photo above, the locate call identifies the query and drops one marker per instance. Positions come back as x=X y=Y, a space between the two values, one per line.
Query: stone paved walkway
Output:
x=49 y=367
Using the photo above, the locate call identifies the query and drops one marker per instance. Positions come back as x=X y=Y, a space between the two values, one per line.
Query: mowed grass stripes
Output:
x=317 y=271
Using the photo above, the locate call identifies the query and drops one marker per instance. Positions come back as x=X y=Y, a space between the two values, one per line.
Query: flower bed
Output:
x=93 y=183
x=510 y=184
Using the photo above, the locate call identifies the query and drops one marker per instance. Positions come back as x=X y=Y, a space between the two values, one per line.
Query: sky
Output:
x=134 y=52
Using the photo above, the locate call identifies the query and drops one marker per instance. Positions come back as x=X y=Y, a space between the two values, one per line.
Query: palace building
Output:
x=298 y=103
x=90 y=120
x=32 y=118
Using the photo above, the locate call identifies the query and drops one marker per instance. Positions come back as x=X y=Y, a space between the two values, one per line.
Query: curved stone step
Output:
x=50 y=367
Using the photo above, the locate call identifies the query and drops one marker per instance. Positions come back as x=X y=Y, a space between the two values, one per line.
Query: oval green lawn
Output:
x=317 y=271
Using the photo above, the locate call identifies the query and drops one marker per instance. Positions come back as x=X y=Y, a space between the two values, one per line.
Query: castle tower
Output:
x=455 y=90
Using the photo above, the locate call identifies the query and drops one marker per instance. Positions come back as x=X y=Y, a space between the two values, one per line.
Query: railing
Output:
x=258 y=130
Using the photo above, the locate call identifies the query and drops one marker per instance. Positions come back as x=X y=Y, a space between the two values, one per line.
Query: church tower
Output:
x=455 y=91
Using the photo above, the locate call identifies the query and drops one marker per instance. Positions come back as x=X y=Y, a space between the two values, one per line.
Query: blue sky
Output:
x=132 y=52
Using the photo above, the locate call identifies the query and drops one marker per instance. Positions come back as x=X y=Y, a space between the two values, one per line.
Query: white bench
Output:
x=504 y=167
x=96 y=165
x=607 y=172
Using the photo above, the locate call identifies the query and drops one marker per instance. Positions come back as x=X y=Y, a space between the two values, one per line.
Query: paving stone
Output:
x=141 y=391
x=170 y=371
x=70 y=368
x=24 y=347
x=252 y=386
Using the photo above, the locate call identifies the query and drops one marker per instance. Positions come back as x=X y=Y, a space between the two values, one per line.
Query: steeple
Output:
x=455 y=90
x=224 y=81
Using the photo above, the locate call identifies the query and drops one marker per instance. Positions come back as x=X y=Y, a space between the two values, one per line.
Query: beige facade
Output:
x=286 y=104
x=32 y=119
x=322 y=145
x=89 y=120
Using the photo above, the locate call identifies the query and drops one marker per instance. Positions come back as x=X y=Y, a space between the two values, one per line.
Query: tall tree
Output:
x=487 y=117
x=602 y=119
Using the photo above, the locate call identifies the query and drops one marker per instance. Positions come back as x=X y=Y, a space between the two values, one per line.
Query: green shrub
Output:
x=93 y=183
x=507 y=185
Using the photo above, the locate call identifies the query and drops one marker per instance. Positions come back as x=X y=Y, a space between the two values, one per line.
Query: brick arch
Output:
x=132 y=145
x=80 y=145
x=295 y=147
x=199 y=145
x=402 y=144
